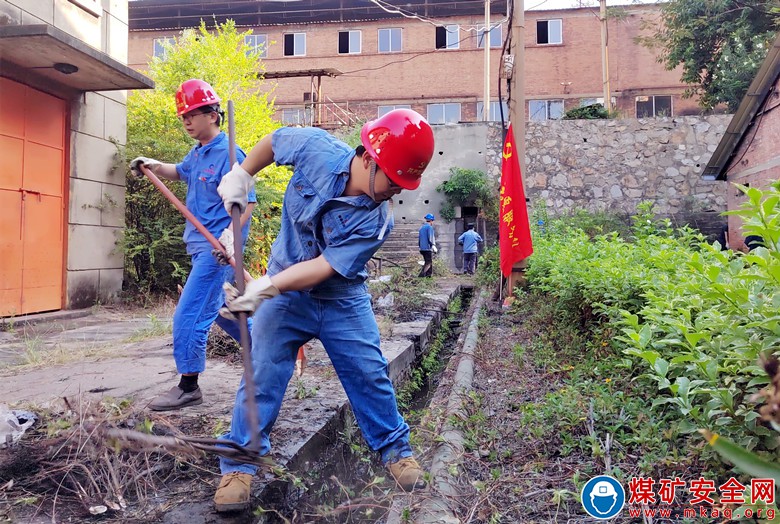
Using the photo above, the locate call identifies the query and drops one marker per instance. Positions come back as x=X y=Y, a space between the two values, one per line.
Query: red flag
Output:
x=514 y=232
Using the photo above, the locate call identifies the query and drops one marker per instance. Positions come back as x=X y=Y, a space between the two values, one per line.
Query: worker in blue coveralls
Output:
x=426 y=239
x=335 y=216
x=470 y=241
x=197 y=106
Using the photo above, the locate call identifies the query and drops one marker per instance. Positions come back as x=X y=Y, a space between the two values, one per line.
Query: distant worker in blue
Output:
x=427 y=242
x=470 y=241
x=197 y=106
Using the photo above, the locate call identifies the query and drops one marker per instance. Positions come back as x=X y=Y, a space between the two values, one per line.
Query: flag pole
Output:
x=517 y=104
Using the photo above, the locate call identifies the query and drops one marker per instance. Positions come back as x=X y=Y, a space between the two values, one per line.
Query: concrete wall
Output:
x=756 y=161
x=419 y=74
x=95 y=216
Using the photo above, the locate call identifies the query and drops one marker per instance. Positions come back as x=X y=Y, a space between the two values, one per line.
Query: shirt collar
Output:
x=217 y=140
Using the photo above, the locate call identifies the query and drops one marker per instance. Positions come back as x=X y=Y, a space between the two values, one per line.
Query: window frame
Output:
x=264 y=52
x=547 y=106
x=349 y=33
x=303 y=116
x=481 y=38
x=495 y=112
x=444 y=106
x=548 y=21
x=158 y=42
x=387 y=108
x=295 y=43
x=449 y=33
x=655 y=110
x=390 y=30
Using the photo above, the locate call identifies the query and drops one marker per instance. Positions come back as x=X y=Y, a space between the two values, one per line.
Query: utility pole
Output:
x=605 y=55
x=517 y=81
x=517 y=114
x=486 y=41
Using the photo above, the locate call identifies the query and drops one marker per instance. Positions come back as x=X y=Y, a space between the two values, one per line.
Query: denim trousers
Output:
x=347 y=329
x=469 y=263
x=198 y=309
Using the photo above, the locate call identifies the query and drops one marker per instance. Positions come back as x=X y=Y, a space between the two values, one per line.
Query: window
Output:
x=444 y=113
x=540 y=110
x=383 y=110
x=257 y=44
x=349 y=42
x=160 y=44
x=549 y=32
x=495 y=111
x=495 y=37
x=296 y=116
x=390 y=40
x=650 y=106
x=295 y=44
x=448 y=37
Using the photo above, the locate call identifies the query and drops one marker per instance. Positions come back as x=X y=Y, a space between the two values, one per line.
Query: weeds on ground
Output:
x=431 y=361
x=408 y=291
x=157 y=328
x=66 y=469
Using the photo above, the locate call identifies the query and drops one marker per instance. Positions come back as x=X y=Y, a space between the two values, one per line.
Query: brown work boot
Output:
x=176 y=398
x=233 y=492
x=407 y=473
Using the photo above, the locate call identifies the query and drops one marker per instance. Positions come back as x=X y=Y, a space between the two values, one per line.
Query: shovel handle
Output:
x=167 y=193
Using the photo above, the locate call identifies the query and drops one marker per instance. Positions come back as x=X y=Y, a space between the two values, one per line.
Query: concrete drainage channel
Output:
x=315 y=437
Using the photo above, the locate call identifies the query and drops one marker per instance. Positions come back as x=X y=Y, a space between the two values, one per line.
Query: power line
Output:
x=389 y=8
x=410 y=58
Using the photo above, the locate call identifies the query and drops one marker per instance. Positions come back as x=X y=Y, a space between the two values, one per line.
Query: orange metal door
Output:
x=32 y=202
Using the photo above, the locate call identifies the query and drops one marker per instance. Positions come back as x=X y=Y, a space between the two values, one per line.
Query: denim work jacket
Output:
x=317 y=219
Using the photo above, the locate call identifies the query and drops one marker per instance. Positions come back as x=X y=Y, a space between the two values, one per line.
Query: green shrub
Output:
x=591 y=112
x=693 y=320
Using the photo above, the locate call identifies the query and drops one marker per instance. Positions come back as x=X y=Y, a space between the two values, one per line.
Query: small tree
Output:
x=468 y=187
x=155 y=257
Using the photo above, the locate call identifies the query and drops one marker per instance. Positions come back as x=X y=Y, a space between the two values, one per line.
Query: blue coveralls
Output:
x=202 y=296
x=469 y=239
x=426 y=239
x=344 y=229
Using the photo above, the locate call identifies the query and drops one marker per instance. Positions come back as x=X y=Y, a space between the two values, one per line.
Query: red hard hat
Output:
x=401 y=144
x=193 y=94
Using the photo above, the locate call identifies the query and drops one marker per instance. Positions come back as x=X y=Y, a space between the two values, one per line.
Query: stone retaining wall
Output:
x=612 y=165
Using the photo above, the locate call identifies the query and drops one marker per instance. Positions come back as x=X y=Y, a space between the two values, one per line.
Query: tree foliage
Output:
x=468 y=187
x=719 y=44
x=155 y=257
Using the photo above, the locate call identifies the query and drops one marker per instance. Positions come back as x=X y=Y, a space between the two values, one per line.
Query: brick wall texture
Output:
x=419 y=74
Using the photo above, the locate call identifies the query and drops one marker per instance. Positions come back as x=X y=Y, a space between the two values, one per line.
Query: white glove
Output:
x=234 y=188
x=256 y=291
x=434 y=248
x=226 y=239
x=137 y=162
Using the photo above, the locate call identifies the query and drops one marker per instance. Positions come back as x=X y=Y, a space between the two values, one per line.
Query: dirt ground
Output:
x=63 y=457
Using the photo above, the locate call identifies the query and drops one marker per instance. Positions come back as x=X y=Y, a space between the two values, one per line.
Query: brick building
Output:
x=63 y=77
x=749 y=153
x=359 y=60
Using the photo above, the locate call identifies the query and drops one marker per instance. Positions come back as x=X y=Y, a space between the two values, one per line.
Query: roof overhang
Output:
x=756 y=95
x=328 y=71
x=48 y=58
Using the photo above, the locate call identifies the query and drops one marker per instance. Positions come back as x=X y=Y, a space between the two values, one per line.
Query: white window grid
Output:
x=390 y=40
x=257 y=44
